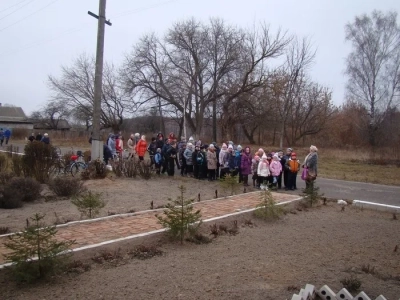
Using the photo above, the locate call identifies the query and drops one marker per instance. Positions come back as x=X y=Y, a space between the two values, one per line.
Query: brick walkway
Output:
x=117 y=227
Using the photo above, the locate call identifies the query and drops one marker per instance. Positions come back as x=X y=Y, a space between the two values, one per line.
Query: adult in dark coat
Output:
x=245 y=165
x=286 y=171
x=172 y=158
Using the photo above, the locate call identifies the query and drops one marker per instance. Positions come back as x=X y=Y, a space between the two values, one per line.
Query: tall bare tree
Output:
x=196 y=65
x=75 y=88
x=373 y=66
x=288 y=81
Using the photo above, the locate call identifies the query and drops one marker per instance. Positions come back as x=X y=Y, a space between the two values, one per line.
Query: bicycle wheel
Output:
x=77 y=167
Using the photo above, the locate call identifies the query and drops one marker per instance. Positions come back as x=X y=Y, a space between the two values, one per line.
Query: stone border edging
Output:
x=156 y=231
x=376 y=206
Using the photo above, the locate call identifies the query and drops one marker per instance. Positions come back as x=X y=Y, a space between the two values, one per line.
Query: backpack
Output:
x=200 y=158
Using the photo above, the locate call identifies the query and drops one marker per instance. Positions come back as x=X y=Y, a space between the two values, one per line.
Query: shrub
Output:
x=311 y=195
x=230 y=183
x=144 y=169
x=17 y=165
x=131 y=170
x=35 y=252
x=38 y=159
x=267 y=209
x=4 y=230
x=66 y=186
x=352 y=284
x=145 y=252
x=179 y=216
x=89 y=204
x=11 y=199
x=28 y=187
x=118 y=167
x=96 y=170
x=4 y=163
x=6 y=177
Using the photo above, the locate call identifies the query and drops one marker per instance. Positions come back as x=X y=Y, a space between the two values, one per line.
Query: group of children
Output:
x=202 y=161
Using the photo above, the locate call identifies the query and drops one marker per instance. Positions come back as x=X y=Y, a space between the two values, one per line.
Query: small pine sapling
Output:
x=179 y=216
x=230 y=183
x=35 y=252
x=89 y=204
x=267 y=208
x=311 y=195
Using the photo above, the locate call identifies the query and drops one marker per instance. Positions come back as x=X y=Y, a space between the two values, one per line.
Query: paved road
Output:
x=339 y=189
x=351 y=190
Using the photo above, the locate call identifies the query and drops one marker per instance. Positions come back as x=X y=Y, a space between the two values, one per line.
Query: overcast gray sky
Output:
x=38 y=36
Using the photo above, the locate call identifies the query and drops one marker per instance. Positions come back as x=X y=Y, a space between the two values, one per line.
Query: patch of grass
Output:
x=4 y=230
x=352 y=284
x=108 y=256
x=145 y=252
x=77 y=267
x=198 y=239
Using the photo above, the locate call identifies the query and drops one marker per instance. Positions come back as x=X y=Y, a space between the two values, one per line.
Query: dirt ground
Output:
x=319 y=246
x=122 y=195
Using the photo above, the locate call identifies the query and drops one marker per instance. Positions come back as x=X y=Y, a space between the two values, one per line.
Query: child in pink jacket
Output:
x=276 y=168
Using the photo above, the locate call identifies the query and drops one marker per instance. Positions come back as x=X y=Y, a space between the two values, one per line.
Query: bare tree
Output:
x=75 y=88
x=51 y=114
x=373 y=66
x=288 y=81
x=196 y=65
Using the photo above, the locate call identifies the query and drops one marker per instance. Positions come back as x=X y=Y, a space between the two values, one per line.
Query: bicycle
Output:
x=78 y=164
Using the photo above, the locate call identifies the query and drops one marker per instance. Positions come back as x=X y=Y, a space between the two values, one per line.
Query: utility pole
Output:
x=97 y=143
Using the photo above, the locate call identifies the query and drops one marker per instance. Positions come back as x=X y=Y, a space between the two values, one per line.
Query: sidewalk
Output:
x=93 y=233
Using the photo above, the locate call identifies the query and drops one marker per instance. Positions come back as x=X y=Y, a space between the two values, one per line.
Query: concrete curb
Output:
x=158 y=231
x=376 y=206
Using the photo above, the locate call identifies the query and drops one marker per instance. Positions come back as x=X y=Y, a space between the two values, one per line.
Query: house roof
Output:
x=12 y=114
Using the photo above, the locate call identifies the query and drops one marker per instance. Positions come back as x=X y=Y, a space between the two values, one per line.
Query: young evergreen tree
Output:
x=180 y=217
x=35 y=252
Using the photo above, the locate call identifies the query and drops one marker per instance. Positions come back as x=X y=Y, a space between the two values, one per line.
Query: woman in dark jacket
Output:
x=245 y=165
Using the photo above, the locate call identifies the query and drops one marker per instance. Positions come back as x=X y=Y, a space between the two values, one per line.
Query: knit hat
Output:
x=191 y=139
x=294 y=154
x=239 y=147
x=158 y=150
x=257 y=158
x=276 y=156
x=230 y=147
x=189 y=145
x=290 y=149
x=224 y=146
x=261 y=150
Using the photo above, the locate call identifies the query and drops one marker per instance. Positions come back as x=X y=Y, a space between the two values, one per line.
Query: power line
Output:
x=28 y=15
x=13 y=6
x=16 y=10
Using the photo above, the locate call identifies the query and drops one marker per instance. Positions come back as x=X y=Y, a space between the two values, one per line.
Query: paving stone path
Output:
x=103 y=230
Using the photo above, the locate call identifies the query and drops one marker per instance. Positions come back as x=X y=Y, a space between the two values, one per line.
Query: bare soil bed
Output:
x=267 y=261
x=122 y=195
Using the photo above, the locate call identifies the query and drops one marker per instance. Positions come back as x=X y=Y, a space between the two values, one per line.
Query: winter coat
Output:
x=238 y=158
x=246 y=163
x=293 y=165
x=254 y=164
x=158 y=158
x=131 y=145
x=275 y=167
x=118 y=145
x=141 y=147
x=311 y=162
x=211 y=160
x=223 y=158
x=152 y=148
x=231 y=161
x=111 y=146
x=45 y=140
x=7 y=133
x=188 y=154
x=160 y=143
x=263 y=169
